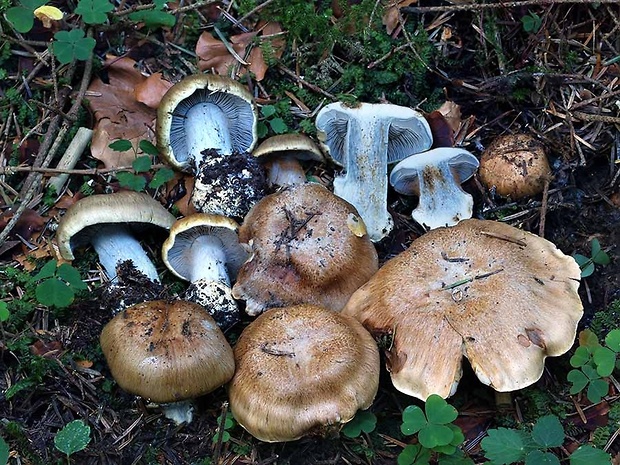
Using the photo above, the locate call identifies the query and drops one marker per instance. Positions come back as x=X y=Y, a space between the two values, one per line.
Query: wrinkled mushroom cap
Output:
x=301 y=369
x=516 y=165
x=230 y=96
x=504 y=298
x=167 y=351
x=119 y=207
x=186 y=230
x=308 y=246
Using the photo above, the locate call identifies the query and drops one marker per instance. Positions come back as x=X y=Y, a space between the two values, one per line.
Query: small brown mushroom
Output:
x=167 y=352
x=308 y=246
x=515 y=165
x=300 y=370
x=504 y=298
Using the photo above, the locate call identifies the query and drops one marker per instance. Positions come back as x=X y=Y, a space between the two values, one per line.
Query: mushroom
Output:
x=515 y=165
x=435 y=177
x=302 y=370
x=282 y=154
x=364 y=139
x=504 y=298
x=308 y=246
x=205 y=111
x=167 y=352
x=107 y=222
x=204 y=249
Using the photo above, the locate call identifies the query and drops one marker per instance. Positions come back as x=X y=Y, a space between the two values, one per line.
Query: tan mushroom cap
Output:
x=301 y=369
x=119 y=207
x=308 y=246
x=167 y=351
x=297 y=145
x=516 y=165
x=502 y=297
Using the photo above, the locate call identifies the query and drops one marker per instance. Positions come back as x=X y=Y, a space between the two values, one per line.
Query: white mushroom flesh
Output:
x=206 y=127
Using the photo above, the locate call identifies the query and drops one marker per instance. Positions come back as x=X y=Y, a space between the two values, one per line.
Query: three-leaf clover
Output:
x=22 y=16
x=94 y=11
x=597 y=256
x=73 y=438
x=433 y=425
x=364 y=420
x=70 y=45
x=222 y=435
x=58 y=284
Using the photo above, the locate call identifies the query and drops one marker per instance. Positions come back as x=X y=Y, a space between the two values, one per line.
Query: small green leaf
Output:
x=53 y=292
x=613 y=340
x=588 y=455
x=413 y=420
x=459 y=437
x=590 y=372
x=595 y=245
x=414 y=454
x=268 y=110
x=47 y=271
x=121 y=145
x=605 y=360
x=581 y=356
x=4 y=451
x=71 y=275
x=581 y=260
x=548 y=432
x=225 y=436
x=587 y=270
x=504 y=446
x=21 y=18
x=601 y=258
x=148 y=147
x=457 y=458
x=278 y=125
x=262 y=130
x=94 y=11
x=363 y=420
x=73 y=438
x=597 y=389
x=578 y=380
x=538 y=457
x=142 y=164
x=21 y=385
x=438 y=411
x=153 y=18
x=161 y=177
x=131 y=181
x=4 y=315
x=72 y=45
x=587 y=338
x=435 y=435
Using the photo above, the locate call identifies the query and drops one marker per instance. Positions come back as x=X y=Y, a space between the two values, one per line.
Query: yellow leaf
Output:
x=47 y=14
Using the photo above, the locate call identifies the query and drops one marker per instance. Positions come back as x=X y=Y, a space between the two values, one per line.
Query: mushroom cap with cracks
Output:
x=105 y=221
x=435 y=177
x=167 y=351
x=364 y=139
x=300 y=370
x=281 y=154
x=205 y=109
x=308 y=246
x=504 y=298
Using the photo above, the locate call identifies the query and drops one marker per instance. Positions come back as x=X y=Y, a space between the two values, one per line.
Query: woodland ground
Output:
x=549 y=69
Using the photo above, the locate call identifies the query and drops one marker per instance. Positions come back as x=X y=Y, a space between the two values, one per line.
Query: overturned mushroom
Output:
x=108 y=221
x=167 y=352
x=202 y=112
x=308 y=246
x=435 y=177
x=282 y=156
x=364 y=139
x=205 y=250
x=504 y=298
x=302 y=370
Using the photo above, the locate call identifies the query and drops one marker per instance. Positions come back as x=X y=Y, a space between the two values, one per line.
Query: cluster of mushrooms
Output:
x=302 y=260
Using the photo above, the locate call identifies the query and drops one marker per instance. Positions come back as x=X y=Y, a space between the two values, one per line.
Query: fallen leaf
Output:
x=391 y=15
x=151 y=90
x=118 y=115
x=83 y=363
x=452 y=113
x=47 y=349
x=443 y=135
x=28 y=223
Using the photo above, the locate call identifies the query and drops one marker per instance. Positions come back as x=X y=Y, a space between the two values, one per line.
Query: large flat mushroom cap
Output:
x=502 y=297
x=119 y=207
x=167 y=351
x=301 y=369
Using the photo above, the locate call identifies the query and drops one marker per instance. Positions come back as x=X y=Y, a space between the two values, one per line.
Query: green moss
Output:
x=606 y=320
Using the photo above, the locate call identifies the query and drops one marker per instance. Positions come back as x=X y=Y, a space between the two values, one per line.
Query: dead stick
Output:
x=543 y=209
x=306 y=83
x=488 y=6
x=89 y=171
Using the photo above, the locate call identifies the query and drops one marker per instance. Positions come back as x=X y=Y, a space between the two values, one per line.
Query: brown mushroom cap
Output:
x=516 y=165
x=300 y=369
x=167 y=351
x=503 y=297
x=308 y=245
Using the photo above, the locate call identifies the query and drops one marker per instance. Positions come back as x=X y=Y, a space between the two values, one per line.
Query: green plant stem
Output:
x=220 y=433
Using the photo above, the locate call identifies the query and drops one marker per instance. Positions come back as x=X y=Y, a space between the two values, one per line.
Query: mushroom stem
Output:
x=115 y=244
x=365 y=183
x=207 y=260
x=285 y=171
x=206 y=127
x=179 y=412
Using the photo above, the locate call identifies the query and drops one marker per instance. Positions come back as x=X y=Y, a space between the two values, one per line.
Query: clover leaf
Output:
x=70 y=45
x=22 y=16
x=94 y=11
x=364 y=420
x=432 y=425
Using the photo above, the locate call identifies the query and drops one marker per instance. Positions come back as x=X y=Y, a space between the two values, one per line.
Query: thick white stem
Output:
x=206 y=127
x=285 y=171
x=208 y=260
x=114 y=243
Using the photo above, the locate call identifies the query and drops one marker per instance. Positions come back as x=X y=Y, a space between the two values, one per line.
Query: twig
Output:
x=543 y=209
x=254 y=10
x=71 y=156
x=305 y=83
x=86 y=172
x=504 y=5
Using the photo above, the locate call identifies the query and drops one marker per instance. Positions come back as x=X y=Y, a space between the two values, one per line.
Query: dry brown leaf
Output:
x=452 y=113
x=392 y=14
x=118 y=115
x=151 y=90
